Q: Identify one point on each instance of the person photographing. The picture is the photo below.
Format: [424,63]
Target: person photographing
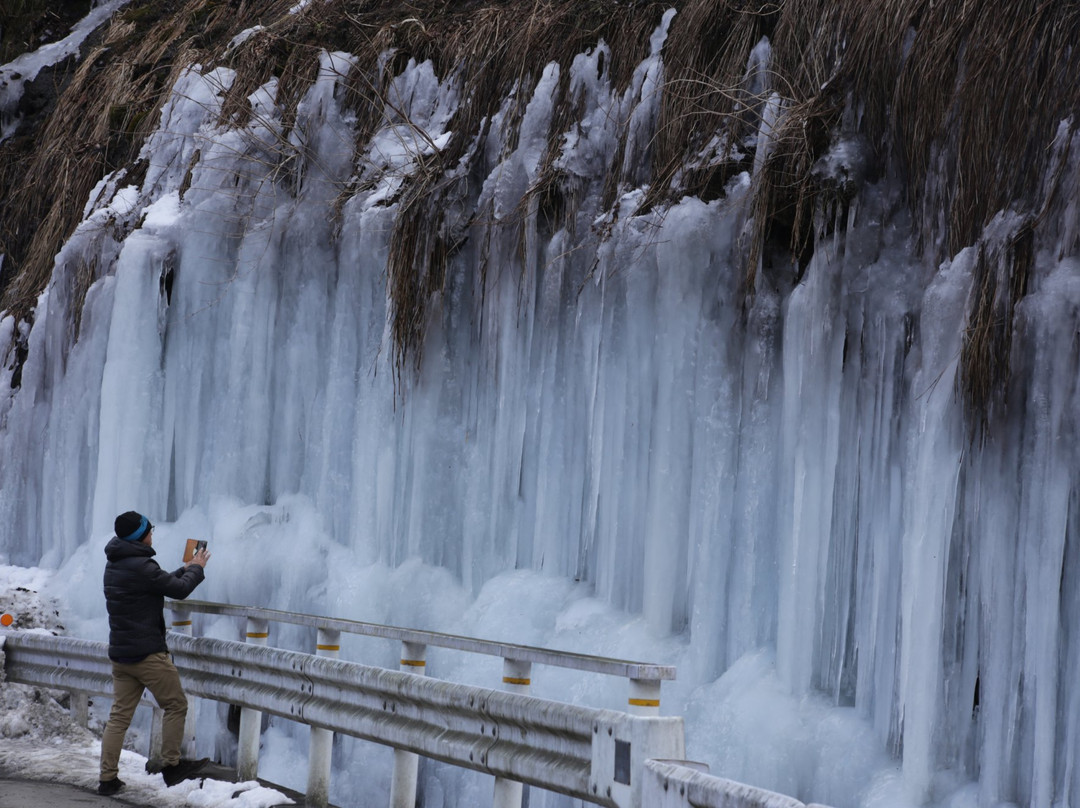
[135,592]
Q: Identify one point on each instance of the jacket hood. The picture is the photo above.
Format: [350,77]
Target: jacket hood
[117,549]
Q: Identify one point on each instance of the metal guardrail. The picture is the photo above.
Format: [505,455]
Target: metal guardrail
[669,784]
[643,699]
[603,757]
[525,653]
[591,754]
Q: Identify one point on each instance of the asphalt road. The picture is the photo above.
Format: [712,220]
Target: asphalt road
[20,793]
[32,794]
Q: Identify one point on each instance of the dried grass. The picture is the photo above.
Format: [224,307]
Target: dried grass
[1001,275]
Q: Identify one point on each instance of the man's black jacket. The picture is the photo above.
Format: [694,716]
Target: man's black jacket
[135,592]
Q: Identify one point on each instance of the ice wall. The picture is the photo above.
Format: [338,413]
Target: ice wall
[783,485]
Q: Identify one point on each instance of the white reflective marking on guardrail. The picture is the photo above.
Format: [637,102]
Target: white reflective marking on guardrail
[591,754]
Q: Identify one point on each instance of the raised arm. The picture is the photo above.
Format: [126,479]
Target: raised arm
[177,585]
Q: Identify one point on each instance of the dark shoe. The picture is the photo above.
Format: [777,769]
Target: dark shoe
[107,788]
[184,769]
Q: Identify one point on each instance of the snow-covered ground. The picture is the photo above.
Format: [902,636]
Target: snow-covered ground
[39,740]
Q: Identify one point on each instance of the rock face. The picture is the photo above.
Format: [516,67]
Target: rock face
[28,24]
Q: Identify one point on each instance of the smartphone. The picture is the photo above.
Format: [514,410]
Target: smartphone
[193,546]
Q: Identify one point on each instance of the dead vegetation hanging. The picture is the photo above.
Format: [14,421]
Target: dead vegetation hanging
[1001,272]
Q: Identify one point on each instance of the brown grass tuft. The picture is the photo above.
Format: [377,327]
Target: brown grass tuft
[1001,276]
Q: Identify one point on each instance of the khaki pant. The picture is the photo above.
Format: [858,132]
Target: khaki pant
[157,674]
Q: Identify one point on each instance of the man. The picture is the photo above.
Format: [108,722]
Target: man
[135,592]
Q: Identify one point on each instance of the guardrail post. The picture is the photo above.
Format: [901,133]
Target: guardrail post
[247,758]
[156,721]
[80,708]
[321,745]
[181,623]
[644,697]
[407,764]
[517,678]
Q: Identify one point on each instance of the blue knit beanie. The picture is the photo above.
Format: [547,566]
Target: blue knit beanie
[132,526]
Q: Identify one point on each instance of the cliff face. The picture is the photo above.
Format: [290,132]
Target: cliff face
[27,24]
[958,103]
[756,322]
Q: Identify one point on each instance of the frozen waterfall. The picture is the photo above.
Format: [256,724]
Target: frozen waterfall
[607,443]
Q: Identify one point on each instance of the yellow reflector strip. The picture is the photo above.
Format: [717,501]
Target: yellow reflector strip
[644,702]
[510,680]
[328,647]
[414,663]
[258,635]
[181,622]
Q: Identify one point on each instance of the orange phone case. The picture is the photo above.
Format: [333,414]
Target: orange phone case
[189,550]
